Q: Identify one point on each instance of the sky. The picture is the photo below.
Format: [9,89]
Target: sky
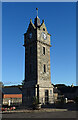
[60,20]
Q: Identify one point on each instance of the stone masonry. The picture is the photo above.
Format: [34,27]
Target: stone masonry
[37,64]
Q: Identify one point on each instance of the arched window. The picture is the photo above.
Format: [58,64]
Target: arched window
[44,68]
[43,50]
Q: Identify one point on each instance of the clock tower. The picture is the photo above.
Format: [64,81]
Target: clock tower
[37,81]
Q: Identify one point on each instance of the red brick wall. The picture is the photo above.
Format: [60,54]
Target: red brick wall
[12,96]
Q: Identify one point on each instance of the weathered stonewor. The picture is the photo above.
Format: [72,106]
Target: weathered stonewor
[37,64]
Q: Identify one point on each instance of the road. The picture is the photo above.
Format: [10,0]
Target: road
[57,114]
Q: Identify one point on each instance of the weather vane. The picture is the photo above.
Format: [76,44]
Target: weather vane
[37,11]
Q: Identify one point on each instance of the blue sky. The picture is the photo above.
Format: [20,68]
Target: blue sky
[60,20]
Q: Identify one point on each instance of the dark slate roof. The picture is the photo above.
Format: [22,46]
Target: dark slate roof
[11,90]
[55,90]
[68,89]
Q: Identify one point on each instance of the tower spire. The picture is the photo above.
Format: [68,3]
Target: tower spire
[37,20]
[37,11]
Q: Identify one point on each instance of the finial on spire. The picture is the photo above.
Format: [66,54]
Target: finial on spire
[37,11]
[30,20]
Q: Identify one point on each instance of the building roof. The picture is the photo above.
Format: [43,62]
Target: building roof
[55,90]
[68,89]
[11,90]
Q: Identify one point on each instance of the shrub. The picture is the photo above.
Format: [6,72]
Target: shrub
[36,104]
[35,100]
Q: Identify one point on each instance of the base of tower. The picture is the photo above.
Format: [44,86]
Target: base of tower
[41,95]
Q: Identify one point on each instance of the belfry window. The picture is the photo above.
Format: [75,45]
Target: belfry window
[43,29]
[43,50]
[44,68]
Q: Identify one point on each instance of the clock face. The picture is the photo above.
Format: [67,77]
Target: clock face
[30,35]
[44,36]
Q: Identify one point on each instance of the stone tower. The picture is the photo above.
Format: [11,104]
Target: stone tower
[37,64]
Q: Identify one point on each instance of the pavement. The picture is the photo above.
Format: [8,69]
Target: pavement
[30,111]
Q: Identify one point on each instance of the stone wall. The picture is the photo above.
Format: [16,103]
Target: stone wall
[44,78]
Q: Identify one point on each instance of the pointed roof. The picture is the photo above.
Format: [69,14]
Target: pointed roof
[37,22]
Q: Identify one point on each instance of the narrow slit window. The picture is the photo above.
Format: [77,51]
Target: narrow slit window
[43,50]
[44,67]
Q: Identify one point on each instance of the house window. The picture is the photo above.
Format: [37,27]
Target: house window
[44,68]
[43,50]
